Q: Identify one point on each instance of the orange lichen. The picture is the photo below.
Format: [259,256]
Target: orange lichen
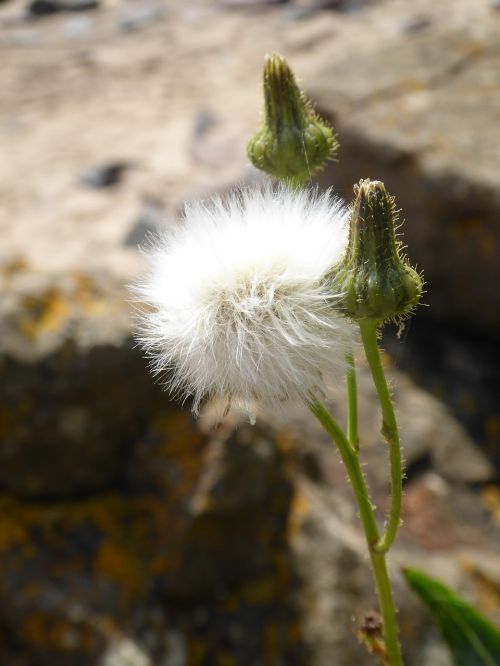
[44,315]
[15,524]
[11,534]
[130,542]
[298,512]
[14,265]
[88,296]
[491,500]
[117,562]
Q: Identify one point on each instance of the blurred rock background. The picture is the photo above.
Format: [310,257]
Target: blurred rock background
[131,534]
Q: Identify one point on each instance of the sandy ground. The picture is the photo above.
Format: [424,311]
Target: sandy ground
[176,98]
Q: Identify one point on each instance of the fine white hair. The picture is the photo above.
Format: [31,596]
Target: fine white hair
[240,300]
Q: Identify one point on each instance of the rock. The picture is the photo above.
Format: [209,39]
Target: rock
[204,122]
[39,8]
[43,7]
[139,17]
[452,451]
[104,175]
[416,24]
[87,573]
[149,222]
[243,487]
[462,371]
[244,4]
[68,392]
[408,115]
[338,5]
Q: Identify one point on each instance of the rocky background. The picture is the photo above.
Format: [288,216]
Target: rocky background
[132,535]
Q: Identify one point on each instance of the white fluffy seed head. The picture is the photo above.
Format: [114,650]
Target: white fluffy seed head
[239,301]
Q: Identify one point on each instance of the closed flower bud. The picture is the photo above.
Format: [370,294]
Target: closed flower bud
[293,142]
[374,276]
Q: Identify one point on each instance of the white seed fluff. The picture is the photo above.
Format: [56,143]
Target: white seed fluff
[239,301]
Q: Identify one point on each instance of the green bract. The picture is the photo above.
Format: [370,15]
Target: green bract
[374,278]
[293,142]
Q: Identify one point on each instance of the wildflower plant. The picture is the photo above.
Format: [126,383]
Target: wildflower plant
[253,298]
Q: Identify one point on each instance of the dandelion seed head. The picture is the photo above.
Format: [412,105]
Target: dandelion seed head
[239,301]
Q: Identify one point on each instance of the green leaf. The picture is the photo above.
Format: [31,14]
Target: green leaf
[472,639]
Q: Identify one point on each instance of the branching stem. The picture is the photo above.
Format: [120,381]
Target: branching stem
[351,461]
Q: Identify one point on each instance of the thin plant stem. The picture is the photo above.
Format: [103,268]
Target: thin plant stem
[352,403]
[351,461]
[390,432]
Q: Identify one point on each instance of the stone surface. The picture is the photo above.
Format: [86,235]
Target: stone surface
[69,383]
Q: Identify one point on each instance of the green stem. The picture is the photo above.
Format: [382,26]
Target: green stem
[351,461]
[352,404]
[368,330]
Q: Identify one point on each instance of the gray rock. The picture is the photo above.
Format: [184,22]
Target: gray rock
[40,8]
[140,16]
[337,5]
[149,222]
[249,4]
[429,428]
[416,24]
[104,175]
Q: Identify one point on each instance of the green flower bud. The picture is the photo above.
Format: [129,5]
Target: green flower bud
[374,278]
[293,142]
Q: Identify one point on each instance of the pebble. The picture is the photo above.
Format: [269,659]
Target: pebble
[235,4]
[104,175]
[416,24]
[309,7]
[39,8]
[136,18]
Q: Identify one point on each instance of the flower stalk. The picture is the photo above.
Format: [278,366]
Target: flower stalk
[352,403]
[389,431]
[350,458]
